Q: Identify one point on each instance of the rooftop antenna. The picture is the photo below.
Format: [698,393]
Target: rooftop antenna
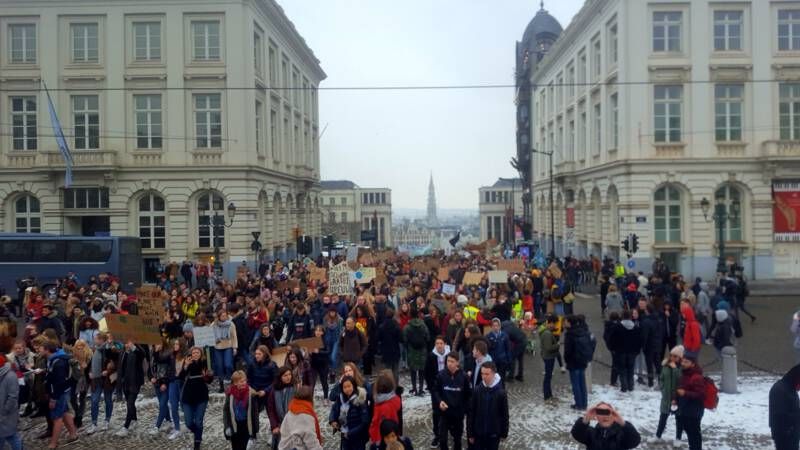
[542,4]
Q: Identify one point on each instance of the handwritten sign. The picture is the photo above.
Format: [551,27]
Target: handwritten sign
[473,278]
[318,274]
[339,280]
[498,276]
[444,273]
[365,275]
[449,289]
[125,328]
[511,265]
[278,355]
[204,336]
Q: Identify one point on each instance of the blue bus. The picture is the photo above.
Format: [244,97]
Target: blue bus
[48,257]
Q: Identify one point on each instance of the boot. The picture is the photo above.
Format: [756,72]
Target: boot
[28,410]
[221,389]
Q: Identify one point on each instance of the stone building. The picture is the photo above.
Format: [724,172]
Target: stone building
[348,209]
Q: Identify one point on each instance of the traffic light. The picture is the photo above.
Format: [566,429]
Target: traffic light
[634,243]
[625,245]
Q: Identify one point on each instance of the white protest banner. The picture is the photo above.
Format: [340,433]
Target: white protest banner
[352,253]
[365,275]
[498,276]
[449,289]
[203,337]
[339,280]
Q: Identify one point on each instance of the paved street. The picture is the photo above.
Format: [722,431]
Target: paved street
[766,345]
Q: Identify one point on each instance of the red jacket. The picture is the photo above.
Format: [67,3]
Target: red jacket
[691,335]
[388,409]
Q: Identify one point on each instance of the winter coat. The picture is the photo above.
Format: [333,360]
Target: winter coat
[244,336]
[416,356]
[278,405]
[518,339]
[332,333]
[668,380]
[162,368]
[691,404]
[299,327]
[549,344]
[499,347]
[229,416]
[453,389]
[352,345]
[723,332]
[614,303]
[432,365]
[317,313]
[9,395]
[356,422]
[298,433]
[488,412]
[387,406]
[576,339]
[131,369]
[692,340]
[260,376]
[57,377]
[195,384]
[615,437]
[389,339]
[784,406]
[502,311]
[626,338]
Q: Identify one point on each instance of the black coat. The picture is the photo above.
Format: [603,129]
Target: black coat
[626,341]
[653,327]
[488,412]
[131,369]
[518,339]
[784,406]
[575,341]
[357,419]
[615,437]
[389,338]
[453,389]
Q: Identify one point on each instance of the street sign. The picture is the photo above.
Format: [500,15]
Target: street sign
[631,264]
[256,234]
[641,219]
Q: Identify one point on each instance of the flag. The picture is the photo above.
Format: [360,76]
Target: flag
[455,239]
[62,142]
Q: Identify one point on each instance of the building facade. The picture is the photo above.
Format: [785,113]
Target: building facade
[499,206]
[172,111]
[348,209]
[413,235]
[655,110]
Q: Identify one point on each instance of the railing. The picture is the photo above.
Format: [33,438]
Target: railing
[147,159]
[21,159]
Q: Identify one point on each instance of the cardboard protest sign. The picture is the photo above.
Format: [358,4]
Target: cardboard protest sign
[402,280]
[473,278]
[449,289]
[498,276]
[278,355]
[151,311]
[402,293]
[204,336]
[419,266]
[339,280]
[380,277]
[309,344]
[318,274]
[512,265]
[444,273]
[365,275]
[441,305]
[126,327]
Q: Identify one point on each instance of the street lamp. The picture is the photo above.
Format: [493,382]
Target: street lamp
[722,214]
[218,224]
[552,218]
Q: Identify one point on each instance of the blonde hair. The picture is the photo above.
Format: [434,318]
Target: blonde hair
[238,376]
[82,352]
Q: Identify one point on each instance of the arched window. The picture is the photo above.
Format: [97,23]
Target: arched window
[733,226]
[209,204]
[27,215]
[152,221]
[667,201]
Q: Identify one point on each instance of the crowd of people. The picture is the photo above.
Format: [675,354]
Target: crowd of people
[460,349]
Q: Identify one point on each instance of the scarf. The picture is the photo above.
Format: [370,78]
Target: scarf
[222,330]
[304,407]
[343,411]
[239,397]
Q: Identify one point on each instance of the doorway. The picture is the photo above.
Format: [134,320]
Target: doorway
[95,226]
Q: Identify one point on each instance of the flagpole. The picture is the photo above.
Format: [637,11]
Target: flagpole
[63,147]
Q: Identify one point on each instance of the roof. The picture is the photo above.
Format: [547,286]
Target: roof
[337,185]
[541,23]
[507,183]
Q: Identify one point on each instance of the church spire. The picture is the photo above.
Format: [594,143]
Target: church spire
[432,219]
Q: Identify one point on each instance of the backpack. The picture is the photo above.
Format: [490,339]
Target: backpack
[416,339]
[584,351]
[711,397]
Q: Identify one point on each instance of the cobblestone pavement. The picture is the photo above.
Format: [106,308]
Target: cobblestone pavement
[534,424]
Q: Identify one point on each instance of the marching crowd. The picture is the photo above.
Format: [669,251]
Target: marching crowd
[461,350]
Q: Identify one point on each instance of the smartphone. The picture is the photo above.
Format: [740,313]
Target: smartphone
[602,412]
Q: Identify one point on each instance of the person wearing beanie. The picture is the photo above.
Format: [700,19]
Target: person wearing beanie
[668,380]
[723,332]
[462,300]
[391,437]
[689,395]
[784,410]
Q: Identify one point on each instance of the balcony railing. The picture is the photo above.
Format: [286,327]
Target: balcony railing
[669,150]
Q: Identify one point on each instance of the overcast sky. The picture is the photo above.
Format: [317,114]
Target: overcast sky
[395,139]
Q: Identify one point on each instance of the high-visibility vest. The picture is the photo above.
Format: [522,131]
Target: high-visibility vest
[517,310]
[471,312]
[619,271]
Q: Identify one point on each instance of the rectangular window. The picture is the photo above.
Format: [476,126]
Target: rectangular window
[23,43]
[598,127]
[728,112]
[148,121]
[597,60]
[286,142]
[86,121]
[571,80]
[582,67]
[23,123]
[273,133]
[259,127]
[298,154]
[344,217]
[790,111]
[728,26]
[560,93]
[206,40]
[667,31]
[258,54]
[295,89]
[789,29]
[613,45]
[84,43]
[582,133]
[667,113]
[208,120]
[614,125]
[273,66]
[81,198]
[571,141]
[147,41]
[285,77]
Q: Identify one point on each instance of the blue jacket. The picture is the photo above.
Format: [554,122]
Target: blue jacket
[317,313]
[261,376]
[57,378]
[499,347]
[357,420]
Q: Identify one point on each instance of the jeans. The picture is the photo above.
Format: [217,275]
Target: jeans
[578,381]
[626,361]
[174,393]
[130,406]
[662,424]
[223,363]
[547,390]
[194,415]
[452,426]
[14,442]
[163,405]
[108,397]
[517,365]
[691,426]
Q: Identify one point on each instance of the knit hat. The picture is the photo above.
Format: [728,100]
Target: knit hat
[721,315]
[462,299]
[677,351]
[691,357]
[188,326]
[496,320]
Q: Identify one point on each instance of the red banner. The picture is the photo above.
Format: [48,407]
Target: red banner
[786,211]
[570,218]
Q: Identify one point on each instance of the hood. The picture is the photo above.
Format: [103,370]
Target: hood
[358,398]
[628,324]
[446,351]
[495,381]
[793,375]
[688,313]
[721,315]
[723,305]
[704,286]
[382,398]
[58,354]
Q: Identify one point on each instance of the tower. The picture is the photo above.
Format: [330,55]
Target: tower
[432,220]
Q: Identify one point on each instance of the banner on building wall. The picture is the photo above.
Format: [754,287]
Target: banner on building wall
[786,211]
[570,217]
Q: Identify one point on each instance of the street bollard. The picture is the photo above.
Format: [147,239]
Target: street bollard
[729,370]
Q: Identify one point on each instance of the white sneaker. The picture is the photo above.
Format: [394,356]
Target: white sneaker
[122,432]
[105,426]
[563,369]
[677,444]
[251,444]
[92,429]
[654,440]
[132,426]
[174,435]
[153,431]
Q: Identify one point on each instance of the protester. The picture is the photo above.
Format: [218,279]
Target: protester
[58,390]
[487,420]
[578,353]
[450,396]
[549,347]
[300,427]
[283,390]
[353,343]
[131,378]
[690,395]
[435,363]
[390,338]
[784,411]
[499,348]
[102,377]
[611,431]
[392,438]
[320,363]
[194,396]
[350,416]
[388,405]
[416,335]
[162,372]
[240,412]
[225,347]
[9,413]
[668,380]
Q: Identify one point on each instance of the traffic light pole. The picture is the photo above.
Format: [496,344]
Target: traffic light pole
[552,206]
